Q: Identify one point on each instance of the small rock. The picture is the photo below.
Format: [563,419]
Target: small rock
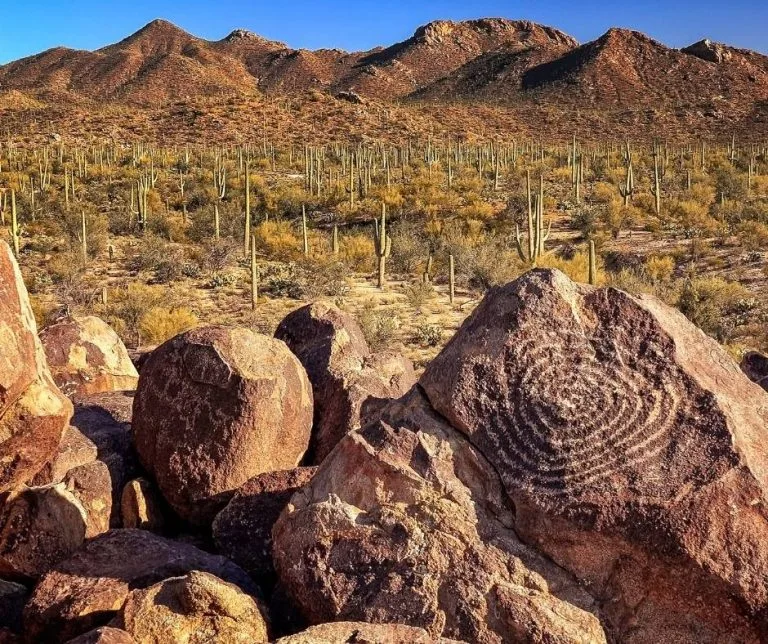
[104,635]
[141,506]
[91,484]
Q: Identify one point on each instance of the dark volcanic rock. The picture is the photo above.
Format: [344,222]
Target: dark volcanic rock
[215,407]
[243,530]
[33,412]
[349,382]
[86,590]
[631,445]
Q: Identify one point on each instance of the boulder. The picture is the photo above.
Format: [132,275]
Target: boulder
[88,589]
[195,609]
[103,635]
[348,632]
[141,506]
[755,365]
[33,412]
[75,449]
[13,596]
[91,484]
[349,383]
[86,356]
[39,527]
[105,420]
[243,530]
[406,522]
[215,407]
[632,448]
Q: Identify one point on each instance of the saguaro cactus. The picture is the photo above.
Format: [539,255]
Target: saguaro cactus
[15,230]
[536,234]
[382,243]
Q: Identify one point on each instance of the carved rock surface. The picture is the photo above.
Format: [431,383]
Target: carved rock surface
[86,356]
[214,407]
[348,381]
[86,590]
[406,522]
[33,412]
[632,447]
[197,608]
[243,530]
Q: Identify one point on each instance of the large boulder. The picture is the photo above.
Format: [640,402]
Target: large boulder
[195,609]
[214,407]
[351,632]
[349,382]
[632,448]
[86,356]
[88,589]
[406,522]
[39,527]
[243,530]
[33,412]
[755,365]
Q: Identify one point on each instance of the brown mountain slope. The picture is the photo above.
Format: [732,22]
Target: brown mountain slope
[627,68]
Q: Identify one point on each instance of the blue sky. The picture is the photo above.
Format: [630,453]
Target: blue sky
[30,26]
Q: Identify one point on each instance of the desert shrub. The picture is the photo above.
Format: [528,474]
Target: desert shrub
[659,268]
[378,325]
[277,240]
[65,268]
[159,324]
[753,235]
[223,279]
[418,293]
[151,252]
[410,248]
[577,267]
[324,277]
[715,305]
[428,335]
[356,251]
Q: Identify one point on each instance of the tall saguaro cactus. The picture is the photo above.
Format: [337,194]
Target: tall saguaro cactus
[536,234]
[383,244]
[15,231]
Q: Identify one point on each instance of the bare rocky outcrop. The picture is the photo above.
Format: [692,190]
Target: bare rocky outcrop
[197,608]
[86,590]
[33,412]
[755,366]
[243,530]
[86,356]
[349,382]
[406,522]
[103,635]
[631,446]
[38,528]
[215,407]
[349,632]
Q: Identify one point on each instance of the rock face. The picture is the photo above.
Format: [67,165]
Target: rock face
[215,407]
[86,590]
[195,609]
[75,449]
[12,599]
[406,522]
[632,448]
[91,484]
[33,412]
[104,635]
[38,528]
[105,421]
[349,632]
[86,356]
[755,365]
[348,381]
[243,530]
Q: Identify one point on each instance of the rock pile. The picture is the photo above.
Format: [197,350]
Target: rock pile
[576,466]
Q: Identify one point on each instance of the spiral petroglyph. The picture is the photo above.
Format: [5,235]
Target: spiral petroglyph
[583,401]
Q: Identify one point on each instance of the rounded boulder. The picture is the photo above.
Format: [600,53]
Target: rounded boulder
[215,407]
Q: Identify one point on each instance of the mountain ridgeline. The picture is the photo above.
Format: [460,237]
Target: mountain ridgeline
[486,60]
